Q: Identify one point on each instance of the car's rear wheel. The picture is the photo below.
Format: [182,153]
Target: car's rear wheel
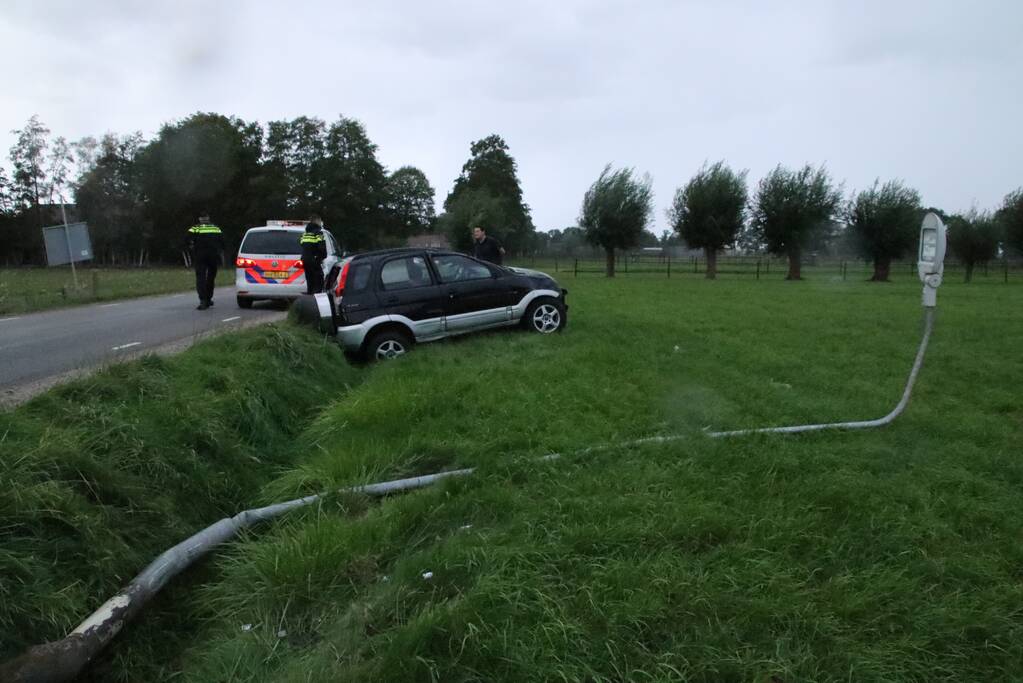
[545,316]
[244,302]
[387,345]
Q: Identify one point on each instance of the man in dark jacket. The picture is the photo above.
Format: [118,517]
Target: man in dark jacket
[206,242]
[486,248]
[314,251]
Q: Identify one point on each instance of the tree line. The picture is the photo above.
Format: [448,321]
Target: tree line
[791,211]
[140,196]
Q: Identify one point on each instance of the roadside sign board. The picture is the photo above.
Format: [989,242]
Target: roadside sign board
[67,244]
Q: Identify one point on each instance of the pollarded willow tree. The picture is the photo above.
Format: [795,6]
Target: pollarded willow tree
[885,222]
[792,210]
[973,238]
[708,212]
[615,211]
[1010,219]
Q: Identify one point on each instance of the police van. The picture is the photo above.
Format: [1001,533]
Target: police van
[269,263]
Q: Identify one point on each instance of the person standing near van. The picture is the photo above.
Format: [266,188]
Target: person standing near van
[206,243]
[314,251]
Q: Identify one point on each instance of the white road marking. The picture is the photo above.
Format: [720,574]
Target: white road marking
[110,305]
[227,320]
[126,346]
[3,320]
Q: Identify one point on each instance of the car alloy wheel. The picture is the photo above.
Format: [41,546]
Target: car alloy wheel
[391,348]
[546,318]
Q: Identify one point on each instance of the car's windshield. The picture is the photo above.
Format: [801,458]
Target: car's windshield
[276,242]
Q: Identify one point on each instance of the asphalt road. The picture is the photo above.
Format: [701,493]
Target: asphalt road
[38,350]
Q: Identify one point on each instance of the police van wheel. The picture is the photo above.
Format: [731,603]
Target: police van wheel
[388,345]
[244,302]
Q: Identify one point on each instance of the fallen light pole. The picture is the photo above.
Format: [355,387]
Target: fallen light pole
[64,659]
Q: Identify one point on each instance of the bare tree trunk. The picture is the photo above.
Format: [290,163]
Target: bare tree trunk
[609,255]
[969,271]
[795,263]
[712,262]
[882,269]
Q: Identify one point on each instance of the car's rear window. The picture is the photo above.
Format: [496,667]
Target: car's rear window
[278,242]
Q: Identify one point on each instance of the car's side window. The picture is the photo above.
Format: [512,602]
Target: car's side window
[455,268]
[358,277]
[405,273]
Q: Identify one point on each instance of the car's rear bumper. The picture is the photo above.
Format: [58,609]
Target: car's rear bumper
[255,290]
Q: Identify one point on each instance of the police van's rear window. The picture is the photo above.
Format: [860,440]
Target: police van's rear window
[278,242]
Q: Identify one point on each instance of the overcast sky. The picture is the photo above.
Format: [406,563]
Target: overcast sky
[929,92]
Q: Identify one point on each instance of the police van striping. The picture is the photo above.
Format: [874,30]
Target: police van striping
[269,263]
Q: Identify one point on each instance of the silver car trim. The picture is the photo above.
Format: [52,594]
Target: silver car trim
[352,337]
[519,309]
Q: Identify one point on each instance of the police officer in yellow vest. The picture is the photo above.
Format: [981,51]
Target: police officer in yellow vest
[206,243]
[314,251]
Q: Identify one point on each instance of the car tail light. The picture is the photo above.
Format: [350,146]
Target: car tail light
[243,262]
[340,289]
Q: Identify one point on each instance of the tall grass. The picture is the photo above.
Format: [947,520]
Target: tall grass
[102,474]
[868,556]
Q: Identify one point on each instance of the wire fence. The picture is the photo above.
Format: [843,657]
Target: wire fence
[756,267]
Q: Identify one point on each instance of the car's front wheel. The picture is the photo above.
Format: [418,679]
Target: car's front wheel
[244,302]
[387,345]
[545,316]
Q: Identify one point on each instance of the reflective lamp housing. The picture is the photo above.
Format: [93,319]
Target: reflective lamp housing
[930,262]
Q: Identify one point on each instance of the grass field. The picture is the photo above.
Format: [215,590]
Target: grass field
[886,555]
[23,290]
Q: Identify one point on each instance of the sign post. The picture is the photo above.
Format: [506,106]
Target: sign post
[67,238]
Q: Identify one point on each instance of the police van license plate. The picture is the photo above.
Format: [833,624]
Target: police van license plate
[276,274]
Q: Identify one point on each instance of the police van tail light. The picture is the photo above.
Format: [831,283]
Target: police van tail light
[298,264]
[340,289]
[244,262]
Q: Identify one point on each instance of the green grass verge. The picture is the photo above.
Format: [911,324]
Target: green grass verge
[885,555]
[23,290]
[103,474]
